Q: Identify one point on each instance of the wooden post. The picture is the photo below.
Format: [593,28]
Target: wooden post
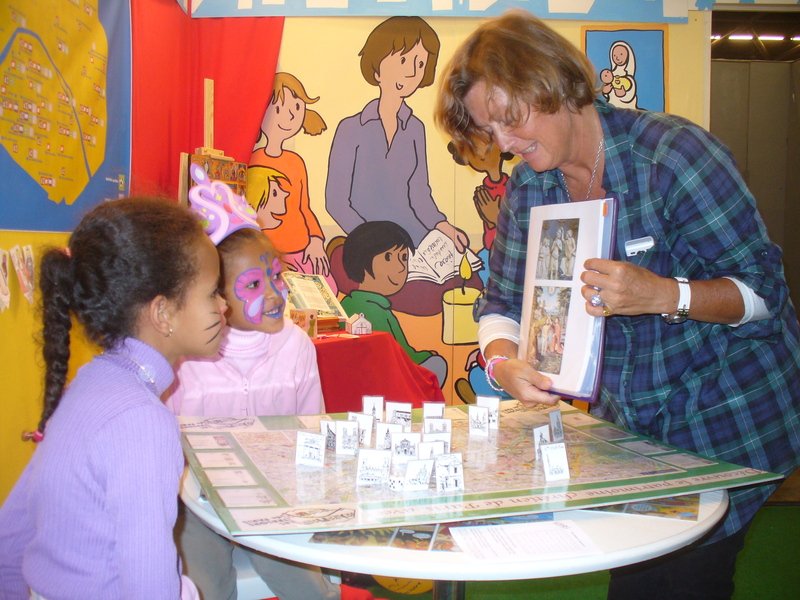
[208,123]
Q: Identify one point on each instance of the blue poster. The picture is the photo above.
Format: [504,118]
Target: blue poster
[65,106]
[630,65]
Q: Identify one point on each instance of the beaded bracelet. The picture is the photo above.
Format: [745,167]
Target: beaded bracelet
[493,383]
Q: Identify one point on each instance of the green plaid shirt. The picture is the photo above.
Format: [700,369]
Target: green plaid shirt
[726,392]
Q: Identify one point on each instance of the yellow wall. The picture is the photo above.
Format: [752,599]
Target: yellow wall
[324,54]
[21,364]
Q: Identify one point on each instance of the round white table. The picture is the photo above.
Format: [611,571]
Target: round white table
[623,539]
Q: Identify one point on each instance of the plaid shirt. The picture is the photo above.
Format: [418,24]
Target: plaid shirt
[727,392]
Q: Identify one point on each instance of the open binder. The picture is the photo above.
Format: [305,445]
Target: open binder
[558,337]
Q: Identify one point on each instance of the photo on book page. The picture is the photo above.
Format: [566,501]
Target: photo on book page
[558,337]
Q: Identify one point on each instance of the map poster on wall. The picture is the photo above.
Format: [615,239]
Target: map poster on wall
[247,469]
[65,106]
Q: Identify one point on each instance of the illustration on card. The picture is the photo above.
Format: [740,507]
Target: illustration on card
[378,166]
[548,328]
[375,256]
[277,180]
[556,257]
[630,64]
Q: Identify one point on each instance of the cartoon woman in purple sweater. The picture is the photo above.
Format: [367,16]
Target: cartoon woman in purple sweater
[378,166]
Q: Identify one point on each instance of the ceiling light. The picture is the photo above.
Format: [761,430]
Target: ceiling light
[741,37]
[796,38]
[716,36]
[771,38]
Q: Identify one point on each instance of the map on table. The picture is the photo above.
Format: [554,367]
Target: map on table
[246,468]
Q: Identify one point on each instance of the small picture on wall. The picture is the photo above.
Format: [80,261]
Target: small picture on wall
[631,65]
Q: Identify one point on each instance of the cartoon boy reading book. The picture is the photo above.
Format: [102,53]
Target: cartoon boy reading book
[375,255]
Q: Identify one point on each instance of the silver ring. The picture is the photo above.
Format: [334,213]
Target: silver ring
[596,300]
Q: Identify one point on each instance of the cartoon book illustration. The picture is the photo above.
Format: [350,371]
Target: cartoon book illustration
[436,259]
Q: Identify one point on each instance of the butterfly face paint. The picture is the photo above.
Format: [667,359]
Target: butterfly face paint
[249,288]
[262,291]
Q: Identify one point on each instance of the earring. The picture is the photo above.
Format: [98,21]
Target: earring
[169,333]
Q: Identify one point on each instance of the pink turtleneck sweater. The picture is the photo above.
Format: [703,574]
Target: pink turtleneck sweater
[255,374]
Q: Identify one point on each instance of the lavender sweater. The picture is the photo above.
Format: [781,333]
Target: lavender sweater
[93,512]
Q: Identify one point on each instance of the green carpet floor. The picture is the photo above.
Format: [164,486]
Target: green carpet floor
[767,569]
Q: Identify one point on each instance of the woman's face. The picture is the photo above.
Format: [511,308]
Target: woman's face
[400,74]
[198,322]
[284,118]
[541,140]
[254,288]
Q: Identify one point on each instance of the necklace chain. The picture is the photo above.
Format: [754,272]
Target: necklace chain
[594,172]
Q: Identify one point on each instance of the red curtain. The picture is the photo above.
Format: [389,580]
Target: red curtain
[172,54]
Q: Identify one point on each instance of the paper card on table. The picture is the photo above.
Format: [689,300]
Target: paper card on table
[347,437]
[554,461]
[208,424]
[210,460]
[373,405]
[609,434]
[577,418]
[328,429]
[541,435]
[524,541]
[405,446]
[373,467]
[556,426]
[437,425]
[449,471]
[432,410]
[241,497]
[685,461]
[478,420]
[399,412]
[383,435]
[229,477]
[206,441]
[364,427]
[646,447]
[430,449]
[493,404]
[442,437]
[418,475]
[310,449]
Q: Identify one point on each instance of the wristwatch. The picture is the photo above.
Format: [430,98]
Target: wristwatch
[684,300]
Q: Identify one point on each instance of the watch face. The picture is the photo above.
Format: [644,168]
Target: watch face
[676,317]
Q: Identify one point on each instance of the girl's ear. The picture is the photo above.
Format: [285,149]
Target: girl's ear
[158,313]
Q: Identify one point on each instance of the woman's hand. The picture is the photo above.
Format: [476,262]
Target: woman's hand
[524,383]
[626,289]
[460,239]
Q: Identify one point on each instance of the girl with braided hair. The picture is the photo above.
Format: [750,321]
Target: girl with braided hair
[92,515]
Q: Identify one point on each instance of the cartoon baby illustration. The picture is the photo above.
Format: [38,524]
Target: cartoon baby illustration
[619,83]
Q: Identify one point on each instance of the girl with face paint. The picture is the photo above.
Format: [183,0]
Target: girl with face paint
[266,365]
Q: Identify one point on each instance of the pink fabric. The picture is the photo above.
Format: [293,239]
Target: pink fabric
[280,377]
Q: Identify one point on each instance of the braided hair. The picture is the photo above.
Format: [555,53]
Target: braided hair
[123,254]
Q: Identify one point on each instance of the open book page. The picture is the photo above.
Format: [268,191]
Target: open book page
[558,337]
[437,260]
[312,291]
